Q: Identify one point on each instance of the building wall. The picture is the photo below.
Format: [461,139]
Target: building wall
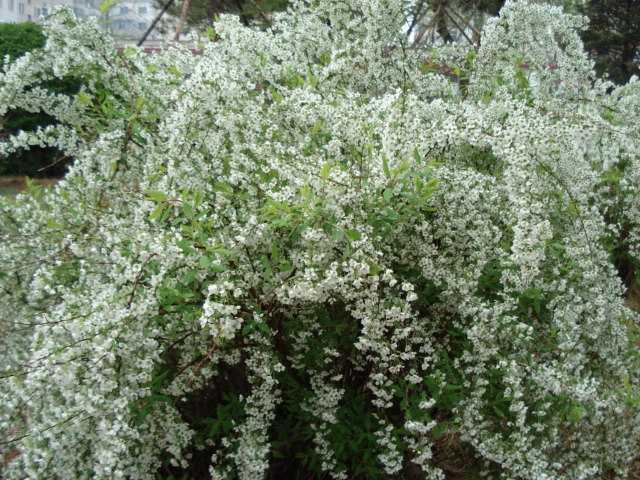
[126,20]
[38,9]
[9,10]
[129,19]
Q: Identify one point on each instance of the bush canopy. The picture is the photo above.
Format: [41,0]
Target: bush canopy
[315,251]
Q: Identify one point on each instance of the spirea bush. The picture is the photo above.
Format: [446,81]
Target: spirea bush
[315,250]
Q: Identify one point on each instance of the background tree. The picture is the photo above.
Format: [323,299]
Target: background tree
[613,37]
[450,20]
[202,12]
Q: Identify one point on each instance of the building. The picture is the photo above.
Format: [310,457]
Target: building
[126,20]
[130,19]
[10,10]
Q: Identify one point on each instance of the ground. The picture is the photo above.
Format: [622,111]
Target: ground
[13,185]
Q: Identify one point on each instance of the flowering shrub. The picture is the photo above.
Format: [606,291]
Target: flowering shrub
[308,250]
[15,40]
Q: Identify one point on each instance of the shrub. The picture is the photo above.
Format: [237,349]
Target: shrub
[16,39]
[308,252]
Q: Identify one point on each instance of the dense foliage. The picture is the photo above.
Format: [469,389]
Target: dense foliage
[310,250]
[16,39]
[613,37]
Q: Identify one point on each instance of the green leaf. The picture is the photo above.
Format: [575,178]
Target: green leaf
[156,196]
[51,223]
[186,247]
[172,69]
[390,214]
[187,210]
[374,268]
[204,262]
[275,253]
[576,413]
[224,252]
[573,209]
[499,411]
[326,170]
[353,235]
[285,266]
[208,264]
[430,187]
[266,265]
[106,5]
[84,98]
[129,52]
[385,167]
[157,212]
[276,95]
[213,266]
[325,58]
[521,80]
[211,33]
[223,187]
[159,397]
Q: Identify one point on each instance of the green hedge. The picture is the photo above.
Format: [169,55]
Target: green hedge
[15,40]
[18,38]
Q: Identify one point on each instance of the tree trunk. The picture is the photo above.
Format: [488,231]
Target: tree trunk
[183,19]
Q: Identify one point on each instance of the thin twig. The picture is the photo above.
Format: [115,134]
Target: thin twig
[55,162]
[14,440]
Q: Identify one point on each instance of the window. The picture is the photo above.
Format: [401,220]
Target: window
[12,5]
[45,11]
[142,26]
[124,9]
[0,4]
[142,9]
[21,8]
